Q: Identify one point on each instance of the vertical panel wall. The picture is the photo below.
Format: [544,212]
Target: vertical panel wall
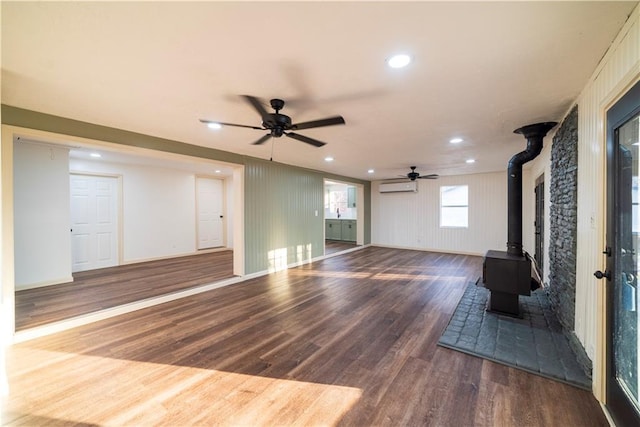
[618,70]
[412,220]
[283,215]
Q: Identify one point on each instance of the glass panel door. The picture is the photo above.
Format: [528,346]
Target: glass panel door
[623,232]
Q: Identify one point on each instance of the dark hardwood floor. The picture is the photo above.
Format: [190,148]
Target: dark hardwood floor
[96,290]
[349,340]
[334,246]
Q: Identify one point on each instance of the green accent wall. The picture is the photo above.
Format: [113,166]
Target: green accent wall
[280,223]
[280,200]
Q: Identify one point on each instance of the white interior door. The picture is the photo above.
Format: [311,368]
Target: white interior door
[94,222]
[210,212]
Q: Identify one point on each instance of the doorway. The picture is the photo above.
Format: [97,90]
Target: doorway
[94,222]
[210,208]
[340,216]
[623,231]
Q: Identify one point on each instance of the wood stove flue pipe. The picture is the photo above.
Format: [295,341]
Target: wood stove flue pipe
[534,134]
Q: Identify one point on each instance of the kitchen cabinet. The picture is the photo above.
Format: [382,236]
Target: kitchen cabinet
[333,229]
[351,197]
[341,229]
[349,230]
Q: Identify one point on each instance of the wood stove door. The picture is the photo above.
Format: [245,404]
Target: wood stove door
[623,232]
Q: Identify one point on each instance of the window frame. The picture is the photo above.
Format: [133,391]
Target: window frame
[450,206]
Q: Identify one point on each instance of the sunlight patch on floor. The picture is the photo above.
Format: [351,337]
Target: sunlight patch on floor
[55,386]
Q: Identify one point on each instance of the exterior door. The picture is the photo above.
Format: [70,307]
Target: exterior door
[94,222]
[209,209]
[623,232]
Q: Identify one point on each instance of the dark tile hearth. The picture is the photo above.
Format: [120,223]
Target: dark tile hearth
[534,343]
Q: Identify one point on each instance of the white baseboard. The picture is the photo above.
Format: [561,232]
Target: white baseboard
[43,284]
[442,251]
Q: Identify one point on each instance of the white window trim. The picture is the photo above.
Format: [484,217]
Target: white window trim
[453,206]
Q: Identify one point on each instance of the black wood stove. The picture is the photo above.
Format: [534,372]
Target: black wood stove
[508,274]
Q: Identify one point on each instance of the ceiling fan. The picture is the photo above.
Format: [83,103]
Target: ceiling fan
[278,124]
[413,175]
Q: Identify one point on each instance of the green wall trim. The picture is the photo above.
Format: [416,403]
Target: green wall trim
[47,122]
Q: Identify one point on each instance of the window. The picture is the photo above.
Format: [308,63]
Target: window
[454,206]
[336,201]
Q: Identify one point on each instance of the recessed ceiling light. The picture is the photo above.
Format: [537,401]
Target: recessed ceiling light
[455,140]
[214,125]
[217,170]
[328,159]
[370,171]
[399,61]
[96,155]
[471,160]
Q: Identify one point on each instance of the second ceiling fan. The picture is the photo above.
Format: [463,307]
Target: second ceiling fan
[279,124]
[413,175]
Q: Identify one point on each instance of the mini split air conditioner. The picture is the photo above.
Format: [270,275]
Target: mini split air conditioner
[399,187]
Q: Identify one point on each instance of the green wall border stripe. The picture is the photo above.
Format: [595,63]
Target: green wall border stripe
[46,122]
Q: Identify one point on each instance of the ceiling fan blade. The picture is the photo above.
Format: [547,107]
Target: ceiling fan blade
[229,124]
[258,106]
[330,121]
[263,139]
[306,139]
[431,176]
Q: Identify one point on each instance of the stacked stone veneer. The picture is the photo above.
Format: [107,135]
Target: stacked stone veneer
[563,223]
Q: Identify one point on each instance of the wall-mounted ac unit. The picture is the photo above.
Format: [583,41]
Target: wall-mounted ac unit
[399,187]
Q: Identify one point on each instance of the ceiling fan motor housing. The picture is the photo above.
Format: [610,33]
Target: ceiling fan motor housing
[277,123]
[413,175]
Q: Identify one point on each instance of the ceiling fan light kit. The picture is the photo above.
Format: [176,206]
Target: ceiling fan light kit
[280,124]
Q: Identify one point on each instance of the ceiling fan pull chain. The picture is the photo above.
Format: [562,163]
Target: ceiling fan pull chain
[273,142]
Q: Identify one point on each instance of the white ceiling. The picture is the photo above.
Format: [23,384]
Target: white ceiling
[479,71]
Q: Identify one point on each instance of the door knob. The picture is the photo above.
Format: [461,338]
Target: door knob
[599,274]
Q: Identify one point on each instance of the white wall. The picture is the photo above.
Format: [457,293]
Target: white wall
[41,215]
[158,209]
[412,220]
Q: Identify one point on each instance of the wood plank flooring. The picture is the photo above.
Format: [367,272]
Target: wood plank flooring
[333,246]
[350,340]
[96,290]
